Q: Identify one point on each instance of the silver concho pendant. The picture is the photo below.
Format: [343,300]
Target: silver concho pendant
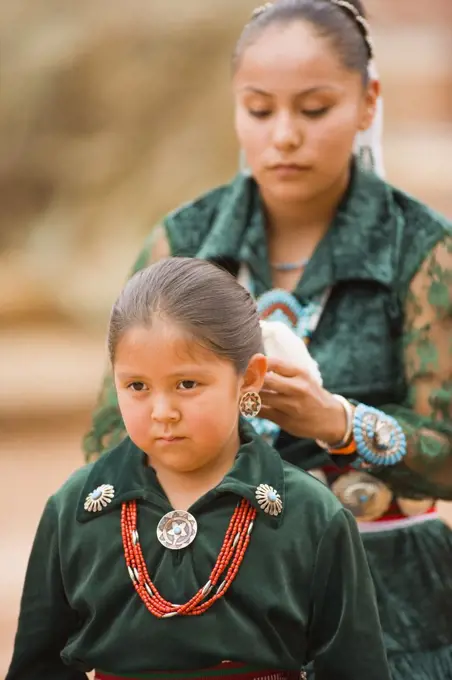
[177,529]
[366,497]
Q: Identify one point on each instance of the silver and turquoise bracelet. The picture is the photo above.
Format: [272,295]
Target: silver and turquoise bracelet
[379,439]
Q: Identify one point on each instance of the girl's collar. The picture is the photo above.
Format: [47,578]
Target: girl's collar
[124,469]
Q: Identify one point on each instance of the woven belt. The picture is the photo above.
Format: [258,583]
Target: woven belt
[238,671]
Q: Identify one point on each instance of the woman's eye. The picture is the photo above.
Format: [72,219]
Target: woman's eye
[259,114]
[316,113]
[137,387]
[187,384]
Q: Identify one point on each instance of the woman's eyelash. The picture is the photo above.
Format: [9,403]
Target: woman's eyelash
[316,113]
[259,114]
[310,113]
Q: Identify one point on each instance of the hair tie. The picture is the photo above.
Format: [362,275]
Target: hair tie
[360,20]
[259,10]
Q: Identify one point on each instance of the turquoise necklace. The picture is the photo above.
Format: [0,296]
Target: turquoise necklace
[289,266]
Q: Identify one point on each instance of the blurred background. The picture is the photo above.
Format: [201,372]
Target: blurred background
[113,112]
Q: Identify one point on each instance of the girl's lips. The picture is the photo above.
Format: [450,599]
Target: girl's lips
[295,167]
[168,439]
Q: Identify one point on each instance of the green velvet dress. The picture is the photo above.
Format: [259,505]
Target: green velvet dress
[303,592]
[384,339]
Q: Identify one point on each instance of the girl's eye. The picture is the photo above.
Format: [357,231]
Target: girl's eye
[316,113]
[260,114]
[137,387]
[187,384]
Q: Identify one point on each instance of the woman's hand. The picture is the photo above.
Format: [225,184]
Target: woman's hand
[292,399]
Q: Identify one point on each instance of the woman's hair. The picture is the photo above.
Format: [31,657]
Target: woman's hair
[343,22]
[204,300]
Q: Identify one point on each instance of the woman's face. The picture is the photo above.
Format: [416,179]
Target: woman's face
[297,111]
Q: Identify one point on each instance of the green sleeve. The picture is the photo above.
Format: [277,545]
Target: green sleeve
[107,427]
[46,620]
[345,639]
[426,418]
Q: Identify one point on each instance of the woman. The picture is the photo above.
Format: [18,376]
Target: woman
[363,272]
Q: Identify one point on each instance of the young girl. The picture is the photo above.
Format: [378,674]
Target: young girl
[192,550]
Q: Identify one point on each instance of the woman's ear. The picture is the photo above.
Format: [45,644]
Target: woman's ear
[369,107]
[254,376]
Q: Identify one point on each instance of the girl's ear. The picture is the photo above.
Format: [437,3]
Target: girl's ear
[254,376]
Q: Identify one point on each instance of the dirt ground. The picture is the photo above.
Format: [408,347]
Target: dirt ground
[34,465]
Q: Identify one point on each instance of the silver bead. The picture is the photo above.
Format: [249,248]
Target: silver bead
[207,588]
[221,586]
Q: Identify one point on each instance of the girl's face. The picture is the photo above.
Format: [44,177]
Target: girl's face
[179,400]
[297,111]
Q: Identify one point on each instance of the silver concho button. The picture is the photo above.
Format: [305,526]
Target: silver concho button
[269,499]
[366,497]
[99,498]
[177,529]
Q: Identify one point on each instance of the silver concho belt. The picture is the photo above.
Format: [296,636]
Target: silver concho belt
[368,498]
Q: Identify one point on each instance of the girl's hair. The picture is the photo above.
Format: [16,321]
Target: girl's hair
[203,299]
[343,22]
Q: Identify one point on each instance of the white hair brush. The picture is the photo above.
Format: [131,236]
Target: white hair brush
[280,342]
